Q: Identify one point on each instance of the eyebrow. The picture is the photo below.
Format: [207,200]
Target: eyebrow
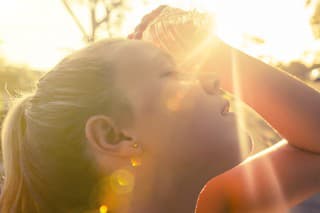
[199,75]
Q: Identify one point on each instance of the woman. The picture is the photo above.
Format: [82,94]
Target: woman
[286,173]
[116,128]
[75,145]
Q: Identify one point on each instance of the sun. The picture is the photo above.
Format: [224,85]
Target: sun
[282,26]
[36,33]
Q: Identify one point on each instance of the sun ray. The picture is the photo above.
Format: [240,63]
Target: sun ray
[241,124]
[269,174]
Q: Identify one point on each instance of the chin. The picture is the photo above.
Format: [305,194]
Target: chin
[241,149]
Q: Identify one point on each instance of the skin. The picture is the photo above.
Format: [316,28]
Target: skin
[292,166]
[283,175]
[181,147]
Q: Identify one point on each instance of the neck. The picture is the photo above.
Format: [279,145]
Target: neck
[162,192]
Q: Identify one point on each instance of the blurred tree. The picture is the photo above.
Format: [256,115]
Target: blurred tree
[14,81]
[314,7]
[105,15]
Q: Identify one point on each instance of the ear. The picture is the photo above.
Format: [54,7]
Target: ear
[103,136]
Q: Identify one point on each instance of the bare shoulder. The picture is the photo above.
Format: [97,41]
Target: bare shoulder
[269,175]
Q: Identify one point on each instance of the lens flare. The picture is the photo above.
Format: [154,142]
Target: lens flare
[103,209]
[269,174]
[241,124]
[136,161]
[122,181]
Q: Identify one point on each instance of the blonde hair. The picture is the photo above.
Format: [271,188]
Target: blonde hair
[14,186]
[47,168]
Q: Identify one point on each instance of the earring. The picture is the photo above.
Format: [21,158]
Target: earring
[135,145]
[136,161]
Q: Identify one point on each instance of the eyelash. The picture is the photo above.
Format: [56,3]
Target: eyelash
[170,73]
[178,76]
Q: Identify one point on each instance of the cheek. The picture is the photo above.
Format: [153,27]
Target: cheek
[186,128]
[205,142]
[214,136]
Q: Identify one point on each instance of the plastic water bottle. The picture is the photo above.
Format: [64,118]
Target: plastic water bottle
[183,34]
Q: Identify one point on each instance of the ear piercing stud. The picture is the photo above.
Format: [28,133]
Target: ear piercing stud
[135,145]
[135,161]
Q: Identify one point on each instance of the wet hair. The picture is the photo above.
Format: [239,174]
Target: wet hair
[46,163]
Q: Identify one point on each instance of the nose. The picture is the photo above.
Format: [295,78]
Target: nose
[211,85]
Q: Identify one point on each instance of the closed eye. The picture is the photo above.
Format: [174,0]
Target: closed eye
[169,74]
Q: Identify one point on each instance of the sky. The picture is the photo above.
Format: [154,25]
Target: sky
[36,32]
[39,33]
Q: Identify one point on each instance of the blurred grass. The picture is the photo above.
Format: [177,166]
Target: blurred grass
[15,80]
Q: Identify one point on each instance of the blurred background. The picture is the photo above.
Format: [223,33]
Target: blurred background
[37,34]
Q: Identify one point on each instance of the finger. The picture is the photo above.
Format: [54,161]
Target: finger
[131,36]
[138,35]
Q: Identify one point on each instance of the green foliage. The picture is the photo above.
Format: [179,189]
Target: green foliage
[17,79]
[14,81]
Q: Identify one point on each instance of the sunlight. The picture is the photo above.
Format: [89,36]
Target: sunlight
[241,120]
[269,175]
[42,42]
[136,161]
[122,181]
[103,209]
[283,25]
[191,71]
[37,36]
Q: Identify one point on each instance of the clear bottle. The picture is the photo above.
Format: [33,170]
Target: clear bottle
[183,34]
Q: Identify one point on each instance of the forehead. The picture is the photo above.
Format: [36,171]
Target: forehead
[139,66]
[138,59]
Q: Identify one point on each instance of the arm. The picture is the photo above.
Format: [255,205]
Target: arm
[293,109]
[289,105]
[286,173]
[271,181]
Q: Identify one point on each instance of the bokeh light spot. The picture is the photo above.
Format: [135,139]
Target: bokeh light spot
[135,161]
[103,209]
[122,181]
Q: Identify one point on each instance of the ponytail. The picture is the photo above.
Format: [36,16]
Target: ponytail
[47,165]
[14,196]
